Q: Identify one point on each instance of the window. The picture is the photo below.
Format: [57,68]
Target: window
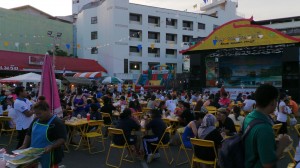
[170,37]
[201,26]
[94,50]
[153,20]
[134,66]
[135,33]
[215,26]
[187,24]
[135,17]
[186,38]
[171,22]
[94,20]
[125,65]
[94,35]
[152,51]
[134,49]
[152,35]
[170,51]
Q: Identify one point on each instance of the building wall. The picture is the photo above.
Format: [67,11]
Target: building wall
[27,32]
[114,41]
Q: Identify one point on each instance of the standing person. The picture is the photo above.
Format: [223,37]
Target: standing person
[261,150]
[11,111]
[79,102]
[294,106]
[142,90]
[24,113]
[282,113]
[48,132]
[158,128]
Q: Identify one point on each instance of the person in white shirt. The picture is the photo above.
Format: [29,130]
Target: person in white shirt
[282,114]
[11,112]
[170,104]
[24,113]
[142,90]
[236,116]
[249,104]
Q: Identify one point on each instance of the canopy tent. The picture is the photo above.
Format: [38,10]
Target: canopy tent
[29,77]
[90,75]
[79,81]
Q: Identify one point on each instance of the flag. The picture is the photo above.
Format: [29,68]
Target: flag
[64,71]
[195,6]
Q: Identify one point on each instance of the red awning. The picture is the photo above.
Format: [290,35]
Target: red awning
[17,61]
[90,75]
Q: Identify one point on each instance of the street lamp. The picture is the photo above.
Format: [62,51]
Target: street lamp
[55,38]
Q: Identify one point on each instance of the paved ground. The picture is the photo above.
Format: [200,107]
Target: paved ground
[82,159]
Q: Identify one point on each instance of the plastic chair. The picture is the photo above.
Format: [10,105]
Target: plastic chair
[211,110]
[297,128]
[94,134]
[207,144]
[5,113]
[4,120]
[182,147]
[113,132]
[167,122]
[107,115]
[276,128]
[163,146]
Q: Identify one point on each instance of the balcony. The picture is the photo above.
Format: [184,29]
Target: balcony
[154,52]
[136,54]
[135,35]
[187,25]
[135,19]
[171,23]
[135,51]
[171,56]
[171,38]
[153,37]
[153,40]
[154,21]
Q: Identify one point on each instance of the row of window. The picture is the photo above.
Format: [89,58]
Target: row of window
[151,35]
[169,21]
[138,65]
[187,25]
[152,50]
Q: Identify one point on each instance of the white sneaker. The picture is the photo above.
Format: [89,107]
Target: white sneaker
[149,158]
[156,156]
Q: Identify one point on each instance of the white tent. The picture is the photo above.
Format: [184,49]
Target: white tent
[29,77]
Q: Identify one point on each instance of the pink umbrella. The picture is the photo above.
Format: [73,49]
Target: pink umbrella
[48,87]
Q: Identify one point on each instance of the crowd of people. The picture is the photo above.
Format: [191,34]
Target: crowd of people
[32,118]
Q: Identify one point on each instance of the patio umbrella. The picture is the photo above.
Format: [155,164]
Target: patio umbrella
[113,80]
[48,87]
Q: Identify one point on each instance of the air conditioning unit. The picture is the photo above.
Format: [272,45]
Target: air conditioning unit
[185,43]
[185,28]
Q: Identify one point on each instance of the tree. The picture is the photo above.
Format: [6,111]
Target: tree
[58,52]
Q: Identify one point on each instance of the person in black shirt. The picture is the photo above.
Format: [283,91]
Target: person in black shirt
[94,115]
[158,128]
[127,124]
[48,132]
[187,116]
[226,124]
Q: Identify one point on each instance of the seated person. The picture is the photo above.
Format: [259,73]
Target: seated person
[190,131]
[158,128]
[236,116]
[94,115]
[151,102]
[226,124]
[186,116]
[88,105]
[208,131]
[127,124]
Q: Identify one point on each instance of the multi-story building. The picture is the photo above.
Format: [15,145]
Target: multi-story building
[288,25]
[24,29]
[128,38]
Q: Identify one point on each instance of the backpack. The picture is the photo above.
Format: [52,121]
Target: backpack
[232,152]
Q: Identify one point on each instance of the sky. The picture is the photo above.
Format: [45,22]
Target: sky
[259,9]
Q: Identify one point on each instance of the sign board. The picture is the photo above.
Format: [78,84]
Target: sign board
[10,68]
[36,60]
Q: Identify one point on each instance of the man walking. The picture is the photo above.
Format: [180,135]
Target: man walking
[261,150]
[24,114]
